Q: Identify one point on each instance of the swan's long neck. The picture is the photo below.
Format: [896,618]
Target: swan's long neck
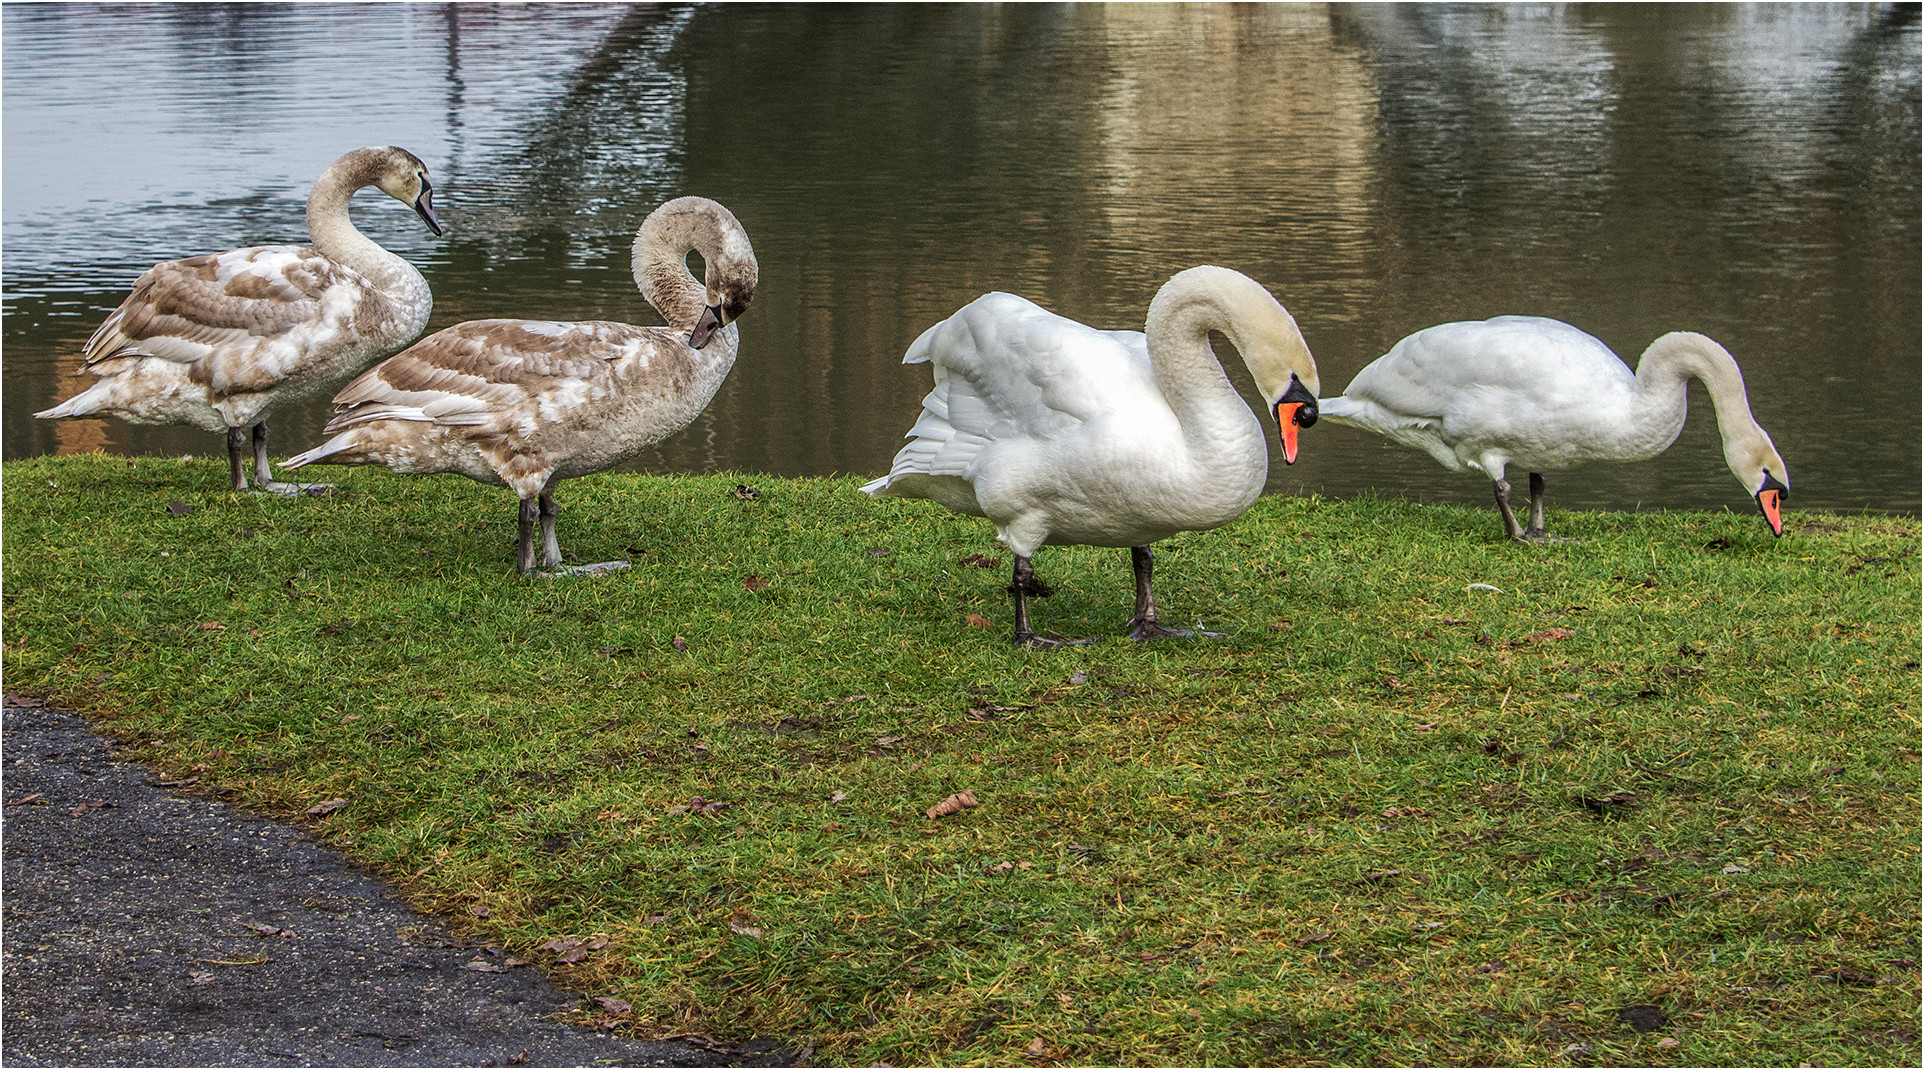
[1185,310]
[1663,393]
[1192,379]
[335,236]
[660,261]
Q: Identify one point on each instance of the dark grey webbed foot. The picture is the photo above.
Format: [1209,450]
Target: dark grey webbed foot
[1143,631]
[1054,642]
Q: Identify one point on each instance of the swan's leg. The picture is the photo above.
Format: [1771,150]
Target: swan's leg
[1534,532]
[264,475]
[1510,527]
[524,544]
[550,548]
[237,456]
[1023,584]
[1143,627]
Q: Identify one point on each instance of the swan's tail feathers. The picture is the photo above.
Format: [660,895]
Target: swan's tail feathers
[339,444]
[876,486]
[84,403]
[1341,409]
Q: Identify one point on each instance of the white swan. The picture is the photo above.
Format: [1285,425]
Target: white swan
[220,341]
[1542,394]
[1063,434]
[525,404]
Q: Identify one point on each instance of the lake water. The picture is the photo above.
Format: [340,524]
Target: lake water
[1751,172]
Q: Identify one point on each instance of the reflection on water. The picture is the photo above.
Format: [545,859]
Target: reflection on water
[1749,172]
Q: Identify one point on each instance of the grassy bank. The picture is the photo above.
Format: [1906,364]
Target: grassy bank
[1664,778]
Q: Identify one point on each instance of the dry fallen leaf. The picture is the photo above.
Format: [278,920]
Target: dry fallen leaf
[1549,636]
[1036,1049]
[617,1006]
[484,966]
[1316,937]
[212,626]
[980,561]
[977,620]
[742,923]
[28,800]
[954,804]
[86,806]
[754,582]
[322,809]
[679,643]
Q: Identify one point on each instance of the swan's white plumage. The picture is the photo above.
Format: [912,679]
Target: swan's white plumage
[221,341]
[527,403]
[1060,433]
[1541,394]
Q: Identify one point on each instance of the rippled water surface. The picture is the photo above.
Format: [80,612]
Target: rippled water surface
[1748,172]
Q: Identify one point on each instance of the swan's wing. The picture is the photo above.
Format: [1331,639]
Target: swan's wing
[494,377]
[1006,369]
[1509,360]
[243,320]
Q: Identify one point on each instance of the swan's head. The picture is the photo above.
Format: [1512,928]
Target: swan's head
[1756,463]
[729,286]
[398,173]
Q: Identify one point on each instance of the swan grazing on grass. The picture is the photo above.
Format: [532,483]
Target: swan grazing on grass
[1543,395]
[1062,434]
[221,341]
[525,404]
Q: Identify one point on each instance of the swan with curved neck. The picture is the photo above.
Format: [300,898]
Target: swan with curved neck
[526,403]
[1539,393]
[221,341]
[1062,434]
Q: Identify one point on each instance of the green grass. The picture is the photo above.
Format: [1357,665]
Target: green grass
[1387,819]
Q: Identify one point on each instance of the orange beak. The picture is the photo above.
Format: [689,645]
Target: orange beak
[1286,421]
[1771,501]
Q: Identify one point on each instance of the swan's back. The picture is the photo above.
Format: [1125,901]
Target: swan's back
[1477,365]
[1008,371]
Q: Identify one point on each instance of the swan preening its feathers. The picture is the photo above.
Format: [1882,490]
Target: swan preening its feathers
[1060,434]
[525,404]
[1543,395]
[220,341]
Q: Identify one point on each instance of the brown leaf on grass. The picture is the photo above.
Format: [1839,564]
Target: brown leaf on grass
[1395,812]
[479,911]
[1036,1049]
[611,650]
[679,643]
[616,1006]
[322,809]
[977,620]
[1382,875]
[954,804]
[29,800]
[596,944]
[754,582]
[840,796]
[1549,635]
[1493,966]
[561,945]
[179,508]
[980,561]
[212,626]
[699,805]
[1002,867]
[888,741]
[1427,727]
[1314,938]
[742,923]
[22,702]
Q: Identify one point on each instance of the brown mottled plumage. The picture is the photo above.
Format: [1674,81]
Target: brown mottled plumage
[219,341]
[527,403]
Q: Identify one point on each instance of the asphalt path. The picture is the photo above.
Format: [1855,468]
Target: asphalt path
[143,926]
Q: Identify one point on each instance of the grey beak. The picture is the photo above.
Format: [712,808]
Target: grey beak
[705,327]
